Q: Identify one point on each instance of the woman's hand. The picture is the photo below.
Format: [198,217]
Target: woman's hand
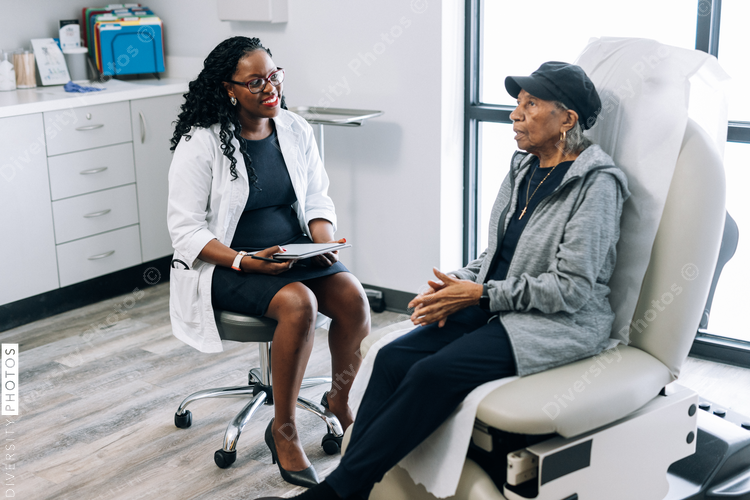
[432,287]
[321,231]
[445,297]
[257,266]
[329,258]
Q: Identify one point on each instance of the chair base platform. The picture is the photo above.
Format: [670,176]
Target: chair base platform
[667,450]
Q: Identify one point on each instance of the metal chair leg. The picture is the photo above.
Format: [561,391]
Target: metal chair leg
[313,381]
[221,392]
[332,440]
[228,454]
[332,423]
[259,387]
[238,423]
[254,376]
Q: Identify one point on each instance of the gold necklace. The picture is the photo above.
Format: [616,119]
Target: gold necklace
[528,198]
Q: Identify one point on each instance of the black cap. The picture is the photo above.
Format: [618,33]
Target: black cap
[559,81]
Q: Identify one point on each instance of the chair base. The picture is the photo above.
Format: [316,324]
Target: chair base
[260,394]
[625,460]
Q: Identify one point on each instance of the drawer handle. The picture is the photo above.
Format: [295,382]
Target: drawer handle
[143,127]
[90,127]
[93,171]
[98,214]
[101,255]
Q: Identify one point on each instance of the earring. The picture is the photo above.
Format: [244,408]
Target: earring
[233,100]
[563,135]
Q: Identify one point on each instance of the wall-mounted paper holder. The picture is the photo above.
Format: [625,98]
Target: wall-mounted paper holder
[267,11]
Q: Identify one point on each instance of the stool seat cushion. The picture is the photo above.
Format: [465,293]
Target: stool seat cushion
[243,328]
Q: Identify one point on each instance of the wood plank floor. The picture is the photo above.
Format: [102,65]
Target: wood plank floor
[100,385]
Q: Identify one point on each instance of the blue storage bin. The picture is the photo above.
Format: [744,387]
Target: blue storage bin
[130,47]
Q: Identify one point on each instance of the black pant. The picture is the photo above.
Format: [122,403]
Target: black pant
[417,381]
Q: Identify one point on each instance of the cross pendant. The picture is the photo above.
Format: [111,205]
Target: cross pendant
[522,213]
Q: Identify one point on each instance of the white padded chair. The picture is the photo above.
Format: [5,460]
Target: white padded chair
[614,435]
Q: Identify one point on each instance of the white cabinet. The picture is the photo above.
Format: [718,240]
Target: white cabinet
[80,143]
[152,129]
[83,192]
[27,244]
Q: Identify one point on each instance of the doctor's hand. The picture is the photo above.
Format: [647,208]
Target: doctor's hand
[327,259]
[445,297]
[250,265]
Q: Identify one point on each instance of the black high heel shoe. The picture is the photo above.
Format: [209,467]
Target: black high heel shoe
[306,477]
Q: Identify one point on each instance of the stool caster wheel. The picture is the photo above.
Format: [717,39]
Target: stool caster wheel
[183,421]
[331,444]
[225,458]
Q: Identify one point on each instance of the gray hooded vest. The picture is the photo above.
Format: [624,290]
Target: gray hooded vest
[553,302]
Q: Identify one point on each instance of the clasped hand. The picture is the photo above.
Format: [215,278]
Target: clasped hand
[444,297]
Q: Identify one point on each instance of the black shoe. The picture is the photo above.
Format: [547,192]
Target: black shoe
[306,477]
[324,400]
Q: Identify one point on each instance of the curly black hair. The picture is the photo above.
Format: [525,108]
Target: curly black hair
[207,102]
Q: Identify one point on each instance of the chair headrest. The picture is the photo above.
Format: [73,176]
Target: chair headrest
[646,90]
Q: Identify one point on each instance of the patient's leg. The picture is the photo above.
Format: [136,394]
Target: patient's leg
[396,358]
[428,393]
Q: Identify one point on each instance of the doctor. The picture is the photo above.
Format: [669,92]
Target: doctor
[247,177]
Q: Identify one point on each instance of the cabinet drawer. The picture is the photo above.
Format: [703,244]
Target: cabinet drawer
[93,170]
[99,255]
[88,127]
[94,213]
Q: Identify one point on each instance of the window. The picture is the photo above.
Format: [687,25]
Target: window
[730,297]
[732,53]
[513,38]
[496,146]
[543,30]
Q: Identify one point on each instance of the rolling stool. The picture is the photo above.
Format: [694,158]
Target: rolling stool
[242,328]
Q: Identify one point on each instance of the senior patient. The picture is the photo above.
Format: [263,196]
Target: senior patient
[535,299]
[246,176]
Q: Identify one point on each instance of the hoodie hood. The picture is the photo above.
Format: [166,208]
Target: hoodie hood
[592,158]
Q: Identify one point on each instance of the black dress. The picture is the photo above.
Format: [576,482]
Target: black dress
[268,220]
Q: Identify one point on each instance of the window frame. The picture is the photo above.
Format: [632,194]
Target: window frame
[706,345]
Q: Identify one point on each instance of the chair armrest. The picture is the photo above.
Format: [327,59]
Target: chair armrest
[577,397]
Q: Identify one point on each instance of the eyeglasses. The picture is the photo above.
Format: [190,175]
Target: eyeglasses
[256,85]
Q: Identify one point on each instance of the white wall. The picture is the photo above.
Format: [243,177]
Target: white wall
[20,21]
[396,181]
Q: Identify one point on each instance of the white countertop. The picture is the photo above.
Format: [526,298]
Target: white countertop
[54,98]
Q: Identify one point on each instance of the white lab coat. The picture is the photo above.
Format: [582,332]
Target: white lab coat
[206,204]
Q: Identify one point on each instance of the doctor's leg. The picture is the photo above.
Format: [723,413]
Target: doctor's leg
[341,297]
[295,308]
